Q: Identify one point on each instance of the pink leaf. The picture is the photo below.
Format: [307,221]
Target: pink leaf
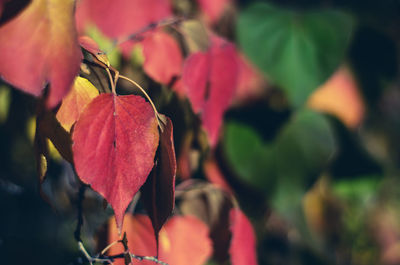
[120,18]
[210,79]
[213,9]
[243,242]
[163,57]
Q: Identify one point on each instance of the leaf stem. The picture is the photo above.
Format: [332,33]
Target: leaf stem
[112,80]
[146,95]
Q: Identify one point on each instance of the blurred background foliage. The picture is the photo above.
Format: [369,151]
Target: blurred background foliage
[313,157]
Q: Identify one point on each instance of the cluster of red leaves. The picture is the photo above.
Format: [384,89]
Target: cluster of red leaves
[115,138]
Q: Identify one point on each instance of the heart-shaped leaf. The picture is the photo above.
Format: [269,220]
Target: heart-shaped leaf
[40,46]
[114,143]
[297,50]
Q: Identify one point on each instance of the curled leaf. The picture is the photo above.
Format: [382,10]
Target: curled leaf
[159,189]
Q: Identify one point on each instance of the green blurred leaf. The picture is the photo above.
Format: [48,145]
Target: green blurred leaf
[297,50]
[303,149]
[249,156]
[285,167]
[5,100]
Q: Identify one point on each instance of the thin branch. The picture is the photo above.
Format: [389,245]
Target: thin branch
[153,259]
[93,260]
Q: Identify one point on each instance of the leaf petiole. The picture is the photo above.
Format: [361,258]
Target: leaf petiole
[147,96]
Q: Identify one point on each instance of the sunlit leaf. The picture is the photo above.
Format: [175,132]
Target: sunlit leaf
[114,143]
[40,46]
[73,104]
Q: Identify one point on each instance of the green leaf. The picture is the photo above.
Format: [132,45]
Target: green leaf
[303,149]
[285,167]
[296,50]
[249,157]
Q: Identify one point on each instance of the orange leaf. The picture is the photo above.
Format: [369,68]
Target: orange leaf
[340,97]
[81,94]
[40,46]
[183,240]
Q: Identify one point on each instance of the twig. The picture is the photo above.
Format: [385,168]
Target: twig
[90,259]
[153,259]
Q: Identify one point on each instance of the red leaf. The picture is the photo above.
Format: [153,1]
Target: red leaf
[243,242]
[163,57]
[115,140]
[159,189]
[40,46]
[213,9]
[120,18]
[210,79]
[183,240]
